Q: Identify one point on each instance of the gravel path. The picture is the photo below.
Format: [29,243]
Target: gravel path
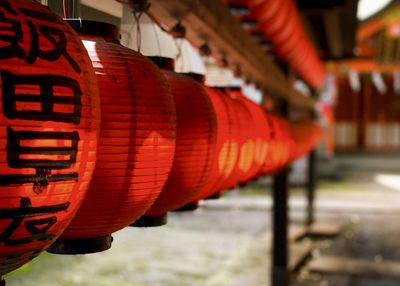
[200,248]
[225,242]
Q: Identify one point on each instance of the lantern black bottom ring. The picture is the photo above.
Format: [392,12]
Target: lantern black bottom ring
[81,246]
[188,207]
[150,221]
[214,196]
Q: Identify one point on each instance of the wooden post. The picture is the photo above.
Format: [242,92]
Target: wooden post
[280,258]
[311,179]
[311,185]
[280,223]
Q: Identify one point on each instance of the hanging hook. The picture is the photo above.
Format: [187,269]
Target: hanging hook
[179,45]
[205,50]
[237,71]
[178,31]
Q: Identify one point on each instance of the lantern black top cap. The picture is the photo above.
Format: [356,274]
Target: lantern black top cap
[163,62]
[94,28]
[232,88]
[196,76]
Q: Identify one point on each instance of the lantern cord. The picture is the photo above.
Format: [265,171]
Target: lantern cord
[137,16]
[65,7]
[179,44]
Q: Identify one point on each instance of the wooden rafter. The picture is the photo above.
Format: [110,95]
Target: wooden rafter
[210,22]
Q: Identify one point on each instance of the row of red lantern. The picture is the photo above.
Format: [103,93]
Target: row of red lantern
[280,23]
[165,139]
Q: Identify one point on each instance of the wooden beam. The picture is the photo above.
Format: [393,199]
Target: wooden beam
[210,22]
[337,31]
[300,252]
[333,32]
[109,7]
[348,18]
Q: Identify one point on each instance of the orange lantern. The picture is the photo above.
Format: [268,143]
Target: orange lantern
[195,144]
[49,122]
[136,144]
[306,135]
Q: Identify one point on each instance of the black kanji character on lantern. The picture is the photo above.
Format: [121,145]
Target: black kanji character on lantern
[45,86]
[16,149]
[57,38]
[11,35]
[17,157]
[54,35]
[6,6]
[38,228]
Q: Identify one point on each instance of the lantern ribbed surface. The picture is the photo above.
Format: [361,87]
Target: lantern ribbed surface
[257,128]
[262,134]
[242,137]
[281,144]
[136,145]
[221,165]
[49,123]
[230,153]
[195,143]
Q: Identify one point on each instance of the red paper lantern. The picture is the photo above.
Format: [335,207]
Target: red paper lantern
[228,154]
[49,122]
[262,135]
[306,135]
[195,144]
[266,10]
[252,158]
[280,22]
[224,155]
[281,145]
[136,144]
[231,150]
[244,134]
